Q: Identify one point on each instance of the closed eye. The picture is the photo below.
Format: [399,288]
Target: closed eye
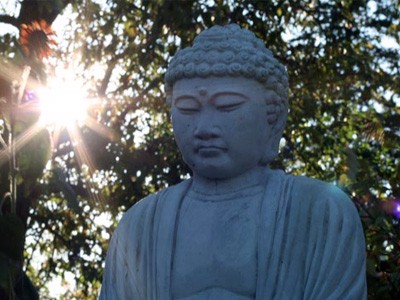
[229,101]
[187,105]
[230,106]
[187,110]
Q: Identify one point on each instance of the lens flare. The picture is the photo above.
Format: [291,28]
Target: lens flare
[396,211]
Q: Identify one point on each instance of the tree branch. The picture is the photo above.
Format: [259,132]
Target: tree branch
[10,20]
[106,80]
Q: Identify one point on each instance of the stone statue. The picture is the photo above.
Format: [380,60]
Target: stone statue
[236,229]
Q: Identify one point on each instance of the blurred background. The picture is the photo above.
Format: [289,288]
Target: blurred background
[85,130]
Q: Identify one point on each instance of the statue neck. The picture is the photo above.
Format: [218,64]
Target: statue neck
[209,186]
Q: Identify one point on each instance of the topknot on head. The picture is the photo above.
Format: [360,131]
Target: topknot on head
[229,51]
[221,34]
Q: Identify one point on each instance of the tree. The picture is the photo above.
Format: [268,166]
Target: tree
[343,125]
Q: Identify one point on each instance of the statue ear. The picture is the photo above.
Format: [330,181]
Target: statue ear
[276,118]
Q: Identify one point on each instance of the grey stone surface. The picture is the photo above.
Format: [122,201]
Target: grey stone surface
[236,229]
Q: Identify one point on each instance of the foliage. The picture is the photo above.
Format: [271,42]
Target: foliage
[343,124]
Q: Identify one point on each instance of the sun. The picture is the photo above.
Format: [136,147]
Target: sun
[63,104]
[69,102]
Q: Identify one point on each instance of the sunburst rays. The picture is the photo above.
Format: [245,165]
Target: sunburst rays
[30,113]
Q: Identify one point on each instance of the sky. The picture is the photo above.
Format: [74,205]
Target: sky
[12,8]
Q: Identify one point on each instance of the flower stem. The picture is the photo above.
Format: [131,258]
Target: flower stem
[18,93]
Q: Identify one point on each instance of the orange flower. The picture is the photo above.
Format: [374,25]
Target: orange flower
[36,38]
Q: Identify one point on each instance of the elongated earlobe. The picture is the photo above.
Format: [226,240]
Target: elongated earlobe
[276,117]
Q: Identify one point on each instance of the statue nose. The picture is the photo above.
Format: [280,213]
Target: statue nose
[207,129]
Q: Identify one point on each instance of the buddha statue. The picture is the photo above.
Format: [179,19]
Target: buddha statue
[237,229]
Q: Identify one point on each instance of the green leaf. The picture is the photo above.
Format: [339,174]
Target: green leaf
[5,272]
[8,273]
[33,157]
[25,289]
[12,235]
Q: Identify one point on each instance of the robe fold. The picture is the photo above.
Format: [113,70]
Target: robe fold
[310,244]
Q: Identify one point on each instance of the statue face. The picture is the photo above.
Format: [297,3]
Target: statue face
[220,124]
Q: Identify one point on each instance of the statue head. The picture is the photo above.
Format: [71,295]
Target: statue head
[233,63]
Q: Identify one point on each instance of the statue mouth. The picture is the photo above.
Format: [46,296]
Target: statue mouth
[210,150]
[209,146]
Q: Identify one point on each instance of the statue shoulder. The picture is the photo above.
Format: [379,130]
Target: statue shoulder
[144,208]
[318,193]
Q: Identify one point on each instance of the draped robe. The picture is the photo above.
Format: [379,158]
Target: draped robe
[310,244]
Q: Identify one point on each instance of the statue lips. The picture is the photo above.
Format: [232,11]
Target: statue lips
[209,150]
